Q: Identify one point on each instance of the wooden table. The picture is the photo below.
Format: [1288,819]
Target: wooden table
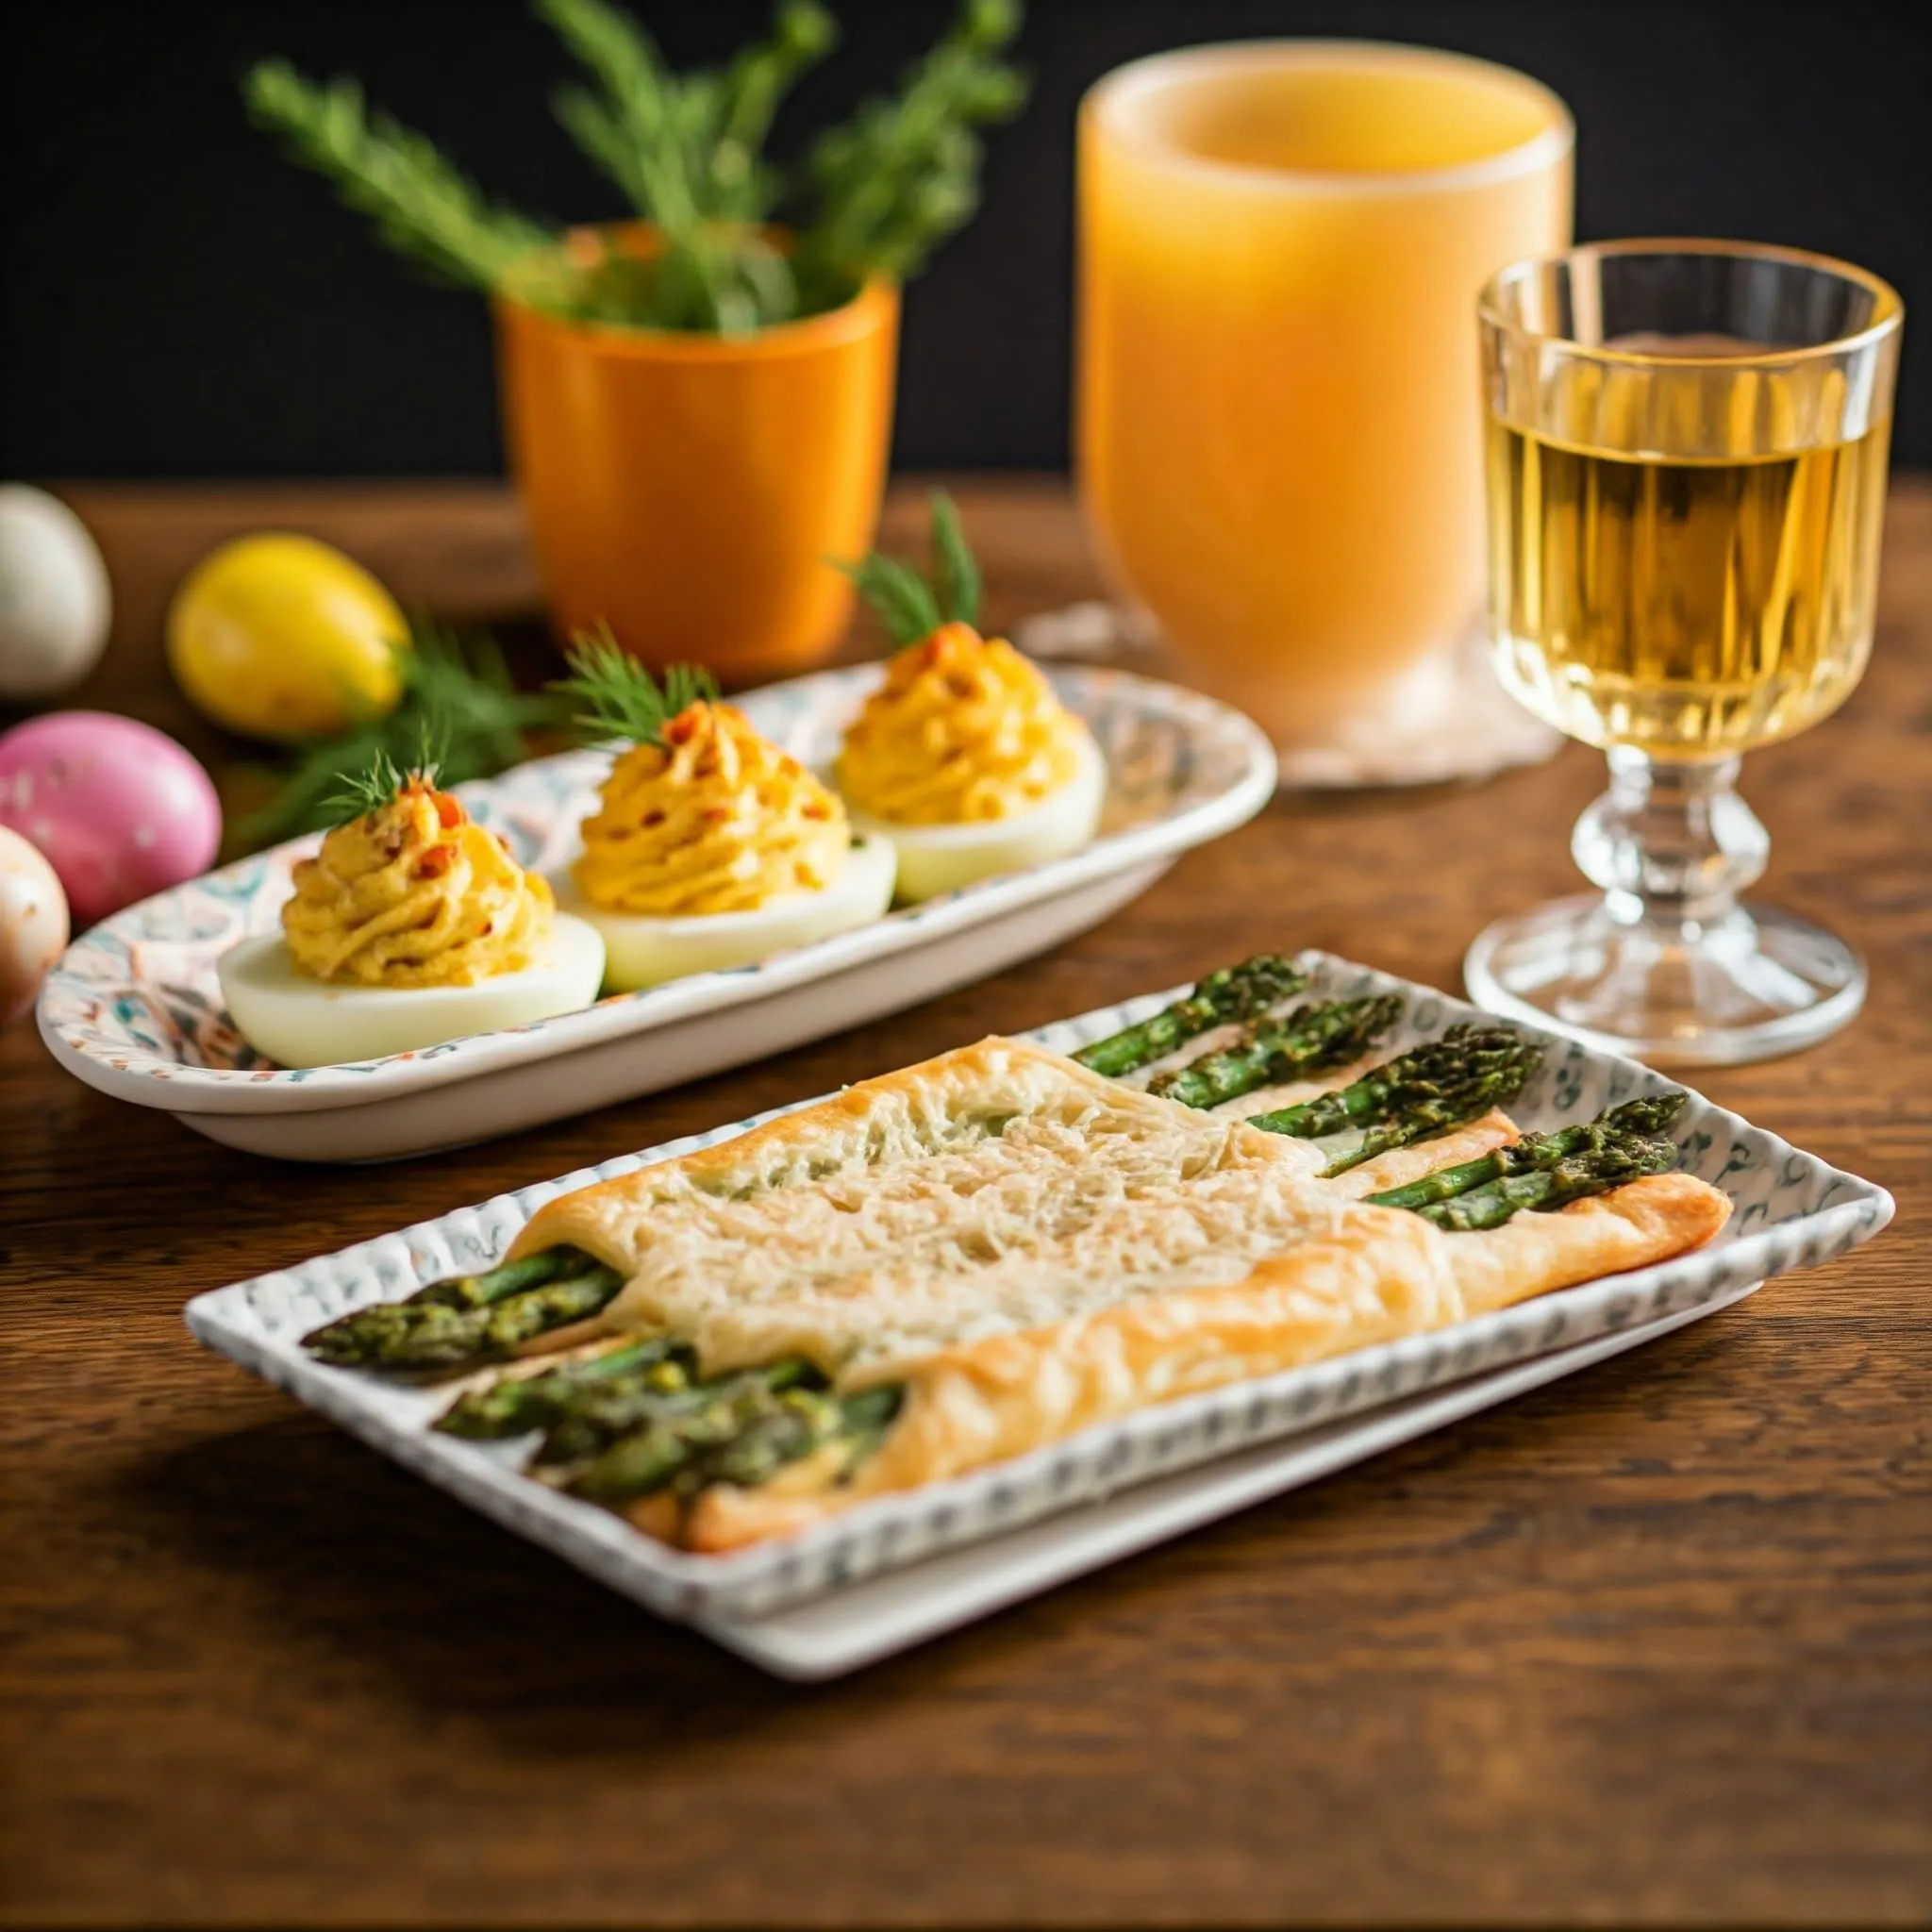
[1653,1645]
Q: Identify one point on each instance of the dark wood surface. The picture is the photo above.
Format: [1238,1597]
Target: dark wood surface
[1655,1644]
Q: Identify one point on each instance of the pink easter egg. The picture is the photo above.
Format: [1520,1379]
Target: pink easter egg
[33,924]
[119,808]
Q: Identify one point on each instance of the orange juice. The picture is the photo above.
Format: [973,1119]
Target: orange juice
[1278,418]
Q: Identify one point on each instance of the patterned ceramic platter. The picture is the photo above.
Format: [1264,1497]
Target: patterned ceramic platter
[1791,1211]
[134,1008]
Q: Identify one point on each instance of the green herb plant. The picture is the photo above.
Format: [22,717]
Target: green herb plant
[872,197]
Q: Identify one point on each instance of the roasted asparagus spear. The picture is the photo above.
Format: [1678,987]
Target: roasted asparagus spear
[606,1415]
[469,1318]
[1436,1084]
[744,1434]
[1543,1171]
[1644,1118]
[1272,1050]
[1234,996]
[1596,1172]
[515,1405]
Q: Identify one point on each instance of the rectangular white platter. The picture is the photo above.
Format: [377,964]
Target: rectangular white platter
[134,1008]
[829,1636]
[1791,1210]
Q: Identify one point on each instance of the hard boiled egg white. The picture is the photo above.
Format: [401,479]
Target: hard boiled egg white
[941,859]
[118,808]
[648,951]
[33,924]
[302,1022]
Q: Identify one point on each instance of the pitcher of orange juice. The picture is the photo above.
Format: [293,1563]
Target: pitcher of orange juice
[1277,434]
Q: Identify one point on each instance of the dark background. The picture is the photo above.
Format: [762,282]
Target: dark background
[176,300]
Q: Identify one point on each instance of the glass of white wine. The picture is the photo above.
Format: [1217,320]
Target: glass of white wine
[1686,449]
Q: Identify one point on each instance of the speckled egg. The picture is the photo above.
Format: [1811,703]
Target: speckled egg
[33,925]
[119,808]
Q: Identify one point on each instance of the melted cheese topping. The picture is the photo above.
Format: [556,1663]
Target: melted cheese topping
[715,819]
[992,1192]
[415,893]
[963,731]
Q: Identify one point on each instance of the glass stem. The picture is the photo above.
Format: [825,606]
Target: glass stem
[1672,844]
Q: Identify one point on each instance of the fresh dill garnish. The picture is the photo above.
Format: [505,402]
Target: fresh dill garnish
[623,697]
[363,791]
[371,788]
[912,605]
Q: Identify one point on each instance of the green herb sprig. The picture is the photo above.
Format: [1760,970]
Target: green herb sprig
[458,711]
[874,198]
[622,698]
[372,787]
[912,604]
[894,182]
[422,206]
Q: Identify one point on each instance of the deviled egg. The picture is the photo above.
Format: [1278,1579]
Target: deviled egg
[967,761]
[709,847]
[412,926]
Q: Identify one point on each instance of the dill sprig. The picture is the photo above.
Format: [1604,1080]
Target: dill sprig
[623,697]
[911,604]
[459,711]
[378,781]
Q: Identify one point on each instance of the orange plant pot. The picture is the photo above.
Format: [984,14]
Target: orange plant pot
[687,490]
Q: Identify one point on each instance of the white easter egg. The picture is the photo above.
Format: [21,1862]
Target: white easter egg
[55,603]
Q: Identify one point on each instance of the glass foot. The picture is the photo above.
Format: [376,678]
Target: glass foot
[1748,985]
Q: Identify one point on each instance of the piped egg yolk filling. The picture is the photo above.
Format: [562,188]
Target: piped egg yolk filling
[713,819]
[963,731]
[415,893]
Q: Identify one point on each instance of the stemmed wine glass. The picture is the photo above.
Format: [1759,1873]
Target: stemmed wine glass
[1686,448]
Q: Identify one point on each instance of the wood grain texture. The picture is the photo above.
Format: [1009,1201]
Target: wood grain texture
[1652,1645]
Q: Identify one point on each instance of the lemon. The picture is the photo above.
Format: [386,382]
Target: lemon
[281,636]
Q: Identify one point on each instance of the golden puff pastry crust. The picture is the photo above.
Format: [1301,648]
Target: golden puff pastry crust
[1027,1248]
[993,1187]
[1387,1274]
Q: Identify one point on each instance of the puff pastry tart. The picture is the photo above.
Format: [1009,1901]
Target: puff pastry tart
[1022,1247]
